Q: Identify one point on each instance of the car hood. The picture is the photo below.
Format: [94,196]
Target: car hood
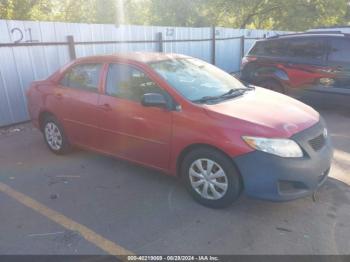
[265,113]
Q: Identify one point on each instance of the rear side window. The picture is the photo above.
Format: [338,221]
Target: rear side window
[129,83]
[274,48]
[339,50]
[84,77]
[307,49]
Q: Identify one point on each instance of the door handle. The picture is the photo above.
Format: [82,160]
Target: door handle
[106,107]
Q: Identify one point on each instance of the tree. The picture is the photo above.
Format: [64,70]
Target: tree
[16,9]
[296,15]
[180,13]
[309,14]
[279,14]
[87,11]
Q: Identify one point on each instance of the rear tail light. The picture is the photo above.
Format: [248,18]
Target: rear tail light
[247,59]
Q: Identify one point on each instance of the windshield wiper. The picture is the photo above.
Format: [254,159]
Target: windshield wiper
[234,92]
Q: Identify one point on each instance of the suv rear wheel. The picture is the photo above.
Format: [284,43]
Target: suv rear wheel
[211,178]
[272,85]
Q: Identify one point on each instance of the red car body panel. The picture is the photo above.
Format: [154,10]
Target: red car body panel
[304,75]
[322,63]
[156,137]
[299,76]
[266,113]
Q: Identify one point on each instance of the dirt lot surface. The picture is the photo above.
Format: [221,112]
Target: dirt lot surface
[85,203]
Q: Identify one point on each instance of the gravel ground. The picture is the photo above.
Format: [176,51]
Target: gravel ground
[150,213]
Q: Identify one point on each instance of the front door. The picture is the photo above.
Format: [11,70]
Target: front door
[339,61]
[128,129]
[306,60]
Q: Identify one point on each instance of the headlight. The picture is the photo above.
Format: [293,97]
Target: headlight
[278,147]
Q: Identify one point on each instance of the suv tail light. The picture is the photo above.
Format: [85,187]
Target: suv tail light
[247,59]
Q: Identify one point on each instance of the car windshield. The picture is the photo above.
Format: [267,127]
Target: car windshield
[196,79]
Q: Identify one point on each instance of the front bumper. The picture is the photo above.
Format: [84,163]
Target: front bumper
[270,177]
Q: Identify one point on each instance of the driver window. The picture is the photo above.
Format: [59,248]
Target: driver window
[127,82]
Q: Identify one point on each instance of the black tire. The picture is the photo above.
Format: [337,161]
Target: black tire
[272,85]
[64,146]
[234,185]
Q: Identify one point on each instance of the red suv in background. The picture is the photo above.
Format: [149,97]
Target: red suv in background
[319,59]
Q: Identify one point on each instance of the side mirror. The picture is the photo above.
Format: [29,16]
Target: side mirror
[154,100]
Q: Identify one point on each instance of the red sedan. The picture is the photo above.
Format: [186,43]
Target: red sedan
[189,119]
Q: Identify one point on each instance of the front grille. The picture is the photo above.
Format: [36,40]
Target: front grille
[318,142]
[290,187]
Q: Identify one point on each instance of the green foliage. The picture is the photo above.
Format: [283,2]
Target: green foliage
[14,9]
[86,11]
[269,14]
[179,12]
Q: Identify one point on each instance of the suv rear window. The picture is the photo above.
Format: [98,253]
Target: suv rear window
[339,50]
[306,48]
[275,48]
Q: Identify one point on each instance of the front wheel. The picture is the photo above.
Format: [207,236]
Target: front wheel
[211,178]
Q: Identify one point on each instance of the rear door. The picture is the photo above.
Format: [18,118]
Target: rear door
[339,61]
[263,60]
[306,61]
[78,94]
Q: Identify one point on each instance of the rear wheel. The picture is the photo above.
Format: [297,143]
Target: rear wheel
[272,85]
[54,136]
[211,178]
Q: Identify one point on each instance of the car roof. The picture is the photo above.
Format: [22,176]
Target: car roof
[139,57]
[309,35]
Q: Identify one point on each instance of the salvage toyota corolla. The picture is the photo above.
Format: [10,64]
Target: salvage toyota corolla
[187,118]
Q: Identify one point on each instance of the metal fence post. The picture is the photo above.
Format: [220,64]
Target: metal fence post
[242,46]
[71,47]
[213,45]
[160,41]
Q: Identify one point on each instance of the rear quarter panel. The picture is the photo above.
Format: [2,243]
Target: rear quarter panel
[39,96]
[35,102]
